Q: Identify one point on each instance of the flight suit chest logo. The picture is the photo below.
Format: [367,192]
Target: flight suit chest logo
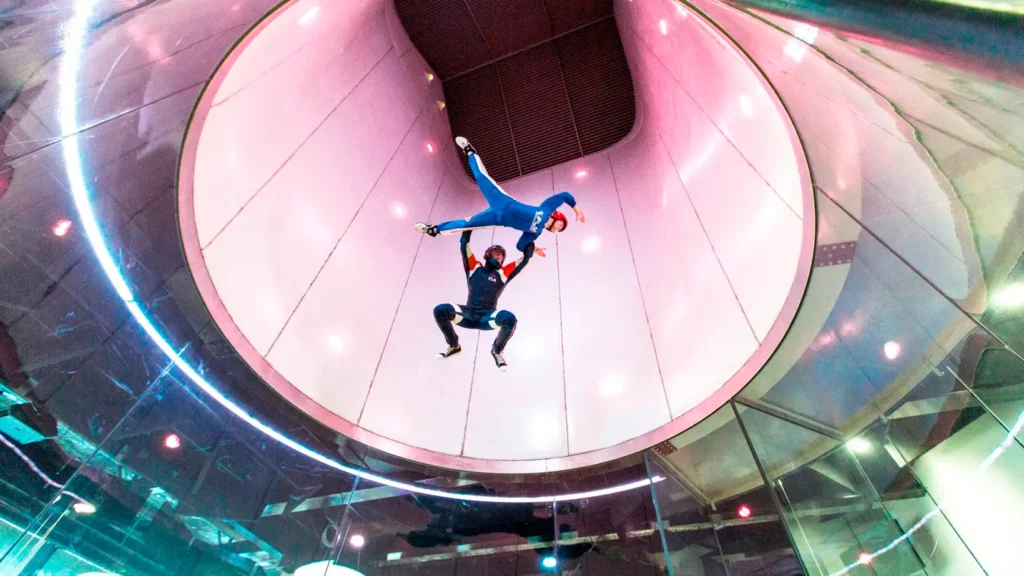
[492,277]
[536,220]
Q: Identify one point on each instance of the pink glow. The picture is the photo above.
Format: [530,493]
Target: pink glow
[744,511]
[823,341]
[864,558]
[321,220]
[172,441]
[61,228]
[849,327]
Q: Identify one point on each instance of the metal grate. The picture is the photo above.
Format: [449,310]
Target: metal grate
[599,84]
[511,25]
[538,108]
[566,15]
[532,83]
[445,33]
[476,110]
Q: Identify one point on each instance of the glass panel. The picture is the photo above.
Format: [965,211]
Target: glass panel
[922,146]
[407,533]
[414,534]
[995,375]
[933,539]
[868,331]
[833,511]
[969,464]
[9,531]
[685,500]
[717,514]
[689,531]
[179,487]
[610,535]
[859,506]
[887,343]
[759,544]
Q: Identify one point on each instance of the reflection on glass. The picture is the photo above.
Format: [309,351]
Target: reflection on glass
[609,536]
[717,515]
[406,533]
[967,462]
[688,531]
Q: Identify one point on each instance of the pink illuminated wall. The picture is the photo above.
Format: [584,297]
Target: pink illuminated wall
[321,142]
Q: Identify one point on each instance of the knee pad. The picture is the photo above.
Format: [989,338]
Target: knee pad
[506,319]
[444,312]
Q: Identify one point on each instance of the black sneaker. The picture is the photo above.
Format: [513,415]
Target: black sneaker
[426,229]
[499,361]
[465,145]
[451,351]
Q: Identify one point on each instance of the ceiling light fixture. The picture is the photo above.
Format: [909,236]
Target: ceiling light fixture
[892,349]
[172,441]
[859,445]
[61,228]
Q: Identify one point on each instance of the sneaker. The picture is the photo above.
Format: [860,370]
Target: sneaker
[464,144]
[426,229]
[451,351]
[499,361]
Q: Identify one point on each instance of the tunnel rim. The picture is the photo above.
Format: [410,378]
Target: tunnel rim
[284,388]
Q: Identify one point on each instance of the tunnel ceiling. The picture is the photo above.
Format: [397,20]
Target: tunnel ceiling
[532,83]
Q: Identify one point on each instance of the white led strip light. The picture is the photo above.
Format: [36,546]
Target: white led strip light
[73,47]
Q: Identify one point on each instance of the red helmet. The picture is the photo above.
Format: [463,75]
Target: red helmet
[559,217]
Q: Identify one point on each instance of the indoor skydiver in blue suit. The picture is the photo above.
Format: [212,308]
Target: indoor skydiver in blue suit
[505,210]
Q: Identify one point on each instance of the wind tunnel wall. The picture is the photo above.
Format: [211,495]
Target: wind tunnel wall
[321,141]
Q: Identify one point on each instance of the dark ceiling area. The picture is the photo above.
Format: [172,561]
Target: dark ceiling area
[532,83]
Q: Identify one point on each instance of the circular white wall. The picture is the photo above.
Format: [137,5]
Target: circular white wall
[319,144]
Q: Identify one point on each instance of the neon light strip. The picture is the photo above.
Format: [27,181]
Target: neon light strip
[39,472]
[68,114]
